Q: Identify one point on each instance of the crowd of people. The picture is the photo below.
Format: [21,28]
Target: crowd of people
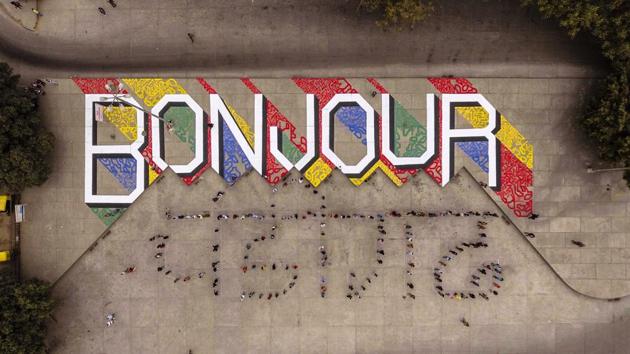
[250,265]
[409,262]
[379,217]
[202,215]
[485,281]
[323,263]
[357,285]
[162,268]
[102,11]
[492,270]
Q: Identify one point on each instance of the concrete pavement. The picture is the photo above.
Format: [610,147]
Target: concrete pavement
[573,205]
[286,38]
[534,312]
[530,70]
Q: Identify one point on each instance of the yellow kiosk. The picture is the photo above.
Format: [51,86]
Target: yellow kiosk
[5,207]
[5,203]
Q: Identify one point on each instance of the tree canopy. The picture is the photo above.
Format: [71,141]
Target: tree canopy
[606,119]
[24,310]
[25,145]
[607,21]
[397,13]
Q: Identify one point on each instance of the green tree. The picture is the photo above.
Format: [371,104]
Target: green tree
[24,309]
[607,21]
[397,13]
[606,120]
[25,145]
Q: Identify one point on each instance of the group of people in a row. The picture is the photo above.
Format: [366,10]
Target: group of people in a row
[493,270]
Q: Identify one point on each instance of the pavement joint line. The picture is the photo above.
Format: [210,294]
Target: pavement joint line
[505,215]
[518,229]
[89,249]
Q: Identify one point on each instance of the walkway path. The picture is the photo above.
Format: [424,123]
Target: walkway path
[287,38]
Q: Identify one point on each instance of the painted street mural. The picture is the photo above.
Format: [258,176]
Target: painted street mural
[455,118]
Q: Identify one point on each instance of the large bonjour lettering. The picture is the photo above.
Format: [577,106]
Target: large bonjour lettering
[113,157]
[394,140]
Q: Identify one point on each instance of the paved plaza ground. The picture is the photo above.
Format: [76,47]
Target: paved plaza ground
[535,312]
[283,38]
[537,308]
[555,297]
